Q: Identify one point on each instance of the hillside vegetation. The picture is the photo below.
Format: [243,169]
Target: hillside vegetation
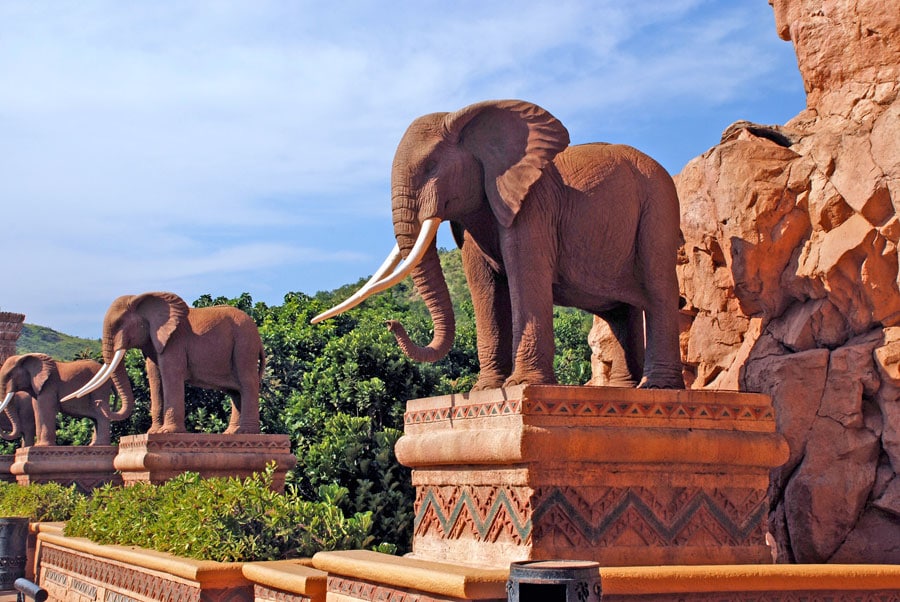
[40,339]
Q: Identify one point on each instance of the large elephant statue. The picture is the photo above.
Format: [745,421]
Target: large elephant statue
[539,222]
[51,384]
[211,347]
[22,424]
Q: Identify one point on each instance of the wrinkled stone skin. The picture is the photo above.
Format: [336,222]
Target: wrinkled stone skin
[789,276]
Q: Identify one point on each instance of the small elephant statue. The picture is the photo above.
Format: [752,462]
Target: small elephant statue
[22,425]
[539,222]
[210,347]
[50,385]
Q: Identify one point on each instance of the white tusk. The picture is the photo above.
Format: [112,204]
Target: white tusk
[363,293]
[377,283]
[426,236]
[6,400]
[101,377]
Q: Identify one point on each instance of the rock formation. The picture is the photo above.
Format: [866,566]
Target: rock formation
[789,274]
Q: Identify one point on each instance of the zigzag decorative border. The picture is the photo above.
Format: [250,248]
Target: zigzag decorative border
[485,525]
[555,513]
[594,409]
[553,506]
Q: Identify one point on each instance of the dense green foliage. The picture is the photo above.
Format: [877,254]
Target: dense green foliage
[40,339]
[47,502]
[223,519]
[339,389]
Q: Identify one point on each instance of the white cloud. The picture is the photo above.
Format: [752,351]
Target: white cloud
[217,141]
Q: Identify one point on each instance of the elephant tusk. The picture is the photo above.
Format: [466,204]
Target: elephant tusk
[426,236]
[6,400]
[363,293]
[101,377]
[373,286]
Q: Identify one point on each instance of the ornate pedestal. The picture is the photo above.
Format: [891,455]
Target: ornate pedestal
[155,458]
[618,476]
[87,466]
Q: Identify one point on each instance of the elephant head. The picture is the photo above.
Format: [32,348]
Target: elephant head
[474,166]
[16,376]
[144,322]
[32,372]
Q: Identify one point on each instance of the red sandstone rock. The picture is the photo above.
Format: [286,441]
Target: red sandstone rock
[789,274]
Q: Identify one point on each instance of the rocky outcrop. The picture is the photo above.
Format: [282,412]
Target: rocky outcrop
[789,274]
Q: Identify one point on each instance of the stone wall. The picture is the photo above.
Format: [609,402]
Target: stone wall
[789,276]
[10,329]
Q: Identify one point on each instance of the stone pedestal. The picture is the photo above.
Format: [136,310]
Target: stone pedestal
[85,466]
[158,457]
[618,476]
[6,462]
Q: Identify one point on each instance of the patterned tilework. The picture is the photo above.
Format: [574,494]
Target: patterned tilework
[594,409]
[592,516]
[482,410]
[65,572]
[265,594]
[597,516]
[485,513]
[365,590]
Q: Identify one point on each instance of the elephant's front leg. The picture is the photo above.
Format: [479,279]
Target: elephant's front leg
[45,406]
[493,318]
[529,268]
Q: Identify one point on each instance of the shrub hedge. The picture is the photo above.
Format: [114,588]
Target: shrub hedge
[44,502]
[223,519]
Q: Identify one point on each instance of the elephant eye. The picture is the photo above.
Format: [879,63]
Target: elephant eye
[430,167]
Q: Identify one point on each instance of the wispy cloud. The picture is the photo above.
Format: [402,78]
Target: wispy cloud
[250,143]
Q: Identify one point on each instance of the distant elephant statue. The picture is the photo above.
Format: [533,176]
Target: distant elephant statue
[593,226]
[210,347]
[51,385]
[22,425]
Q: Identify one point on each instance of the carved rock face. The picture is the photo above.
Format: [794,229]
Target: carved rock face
[789,272]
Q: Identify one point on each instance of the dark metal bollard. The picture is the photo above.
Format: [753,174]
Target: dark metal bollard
[29,591]
[13,540]
[554,580]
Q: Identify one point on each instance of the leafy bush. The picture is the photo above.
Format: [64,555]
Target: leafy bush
[48,502]
[224,519]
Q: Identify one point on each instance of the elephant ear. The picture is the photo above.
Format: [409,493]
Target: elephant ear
[41,367]
[514,140]
[164,312]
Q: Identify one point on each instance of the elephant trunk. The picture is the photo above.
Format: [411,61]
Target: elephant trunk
[125,393]
[8,399]
[431,285]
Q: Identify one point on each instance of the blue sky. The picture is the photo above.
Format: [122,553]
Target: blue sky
[224,147]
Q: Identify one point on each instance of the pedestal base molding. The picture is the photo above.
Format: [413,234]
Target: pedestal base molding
[156,458]
[85,466]
[618,476]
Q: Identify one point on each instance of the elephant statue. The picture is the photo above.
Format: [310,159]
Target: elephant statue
[209,347]
[22,424]
[51,385]
[538,222]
